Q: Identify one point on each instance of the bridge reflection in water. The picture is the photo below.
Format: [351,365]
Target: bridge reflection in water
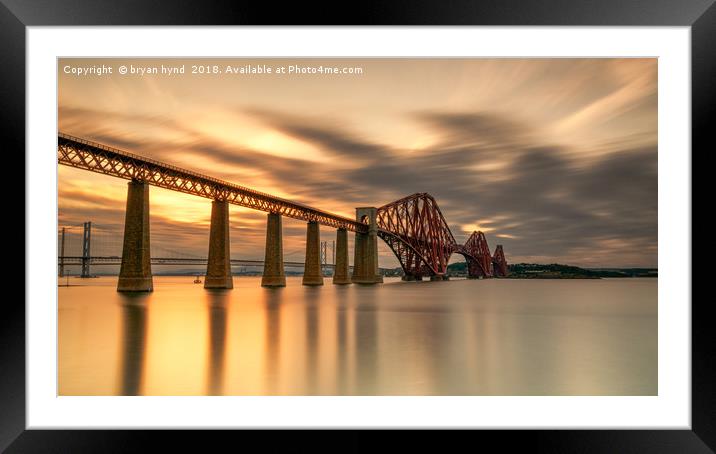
[134,323]
[494,337]
[337,339]
[217,301]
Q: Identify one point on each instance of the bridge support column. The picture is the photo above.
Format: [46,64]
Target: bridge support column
[135,273]
[86,235]
[312,274]
[340,273]
[274,275]
[218,268]
[474,271]
[365,257]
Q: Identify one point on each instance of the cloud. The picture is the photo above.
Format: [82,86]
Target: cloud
[467,128]
[326,133]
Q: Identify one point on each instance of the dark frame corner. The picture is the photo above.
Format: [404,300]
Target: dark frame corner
[16,15]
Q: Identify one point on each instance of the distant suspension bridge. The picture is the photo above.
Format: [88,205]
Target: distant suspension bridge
[88,244]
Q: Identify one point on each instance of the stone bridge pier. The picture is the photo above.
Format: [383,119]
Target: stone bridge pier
[340,273]
[274,274]
[365,258]
[135,273]
[218,268]
[312,274]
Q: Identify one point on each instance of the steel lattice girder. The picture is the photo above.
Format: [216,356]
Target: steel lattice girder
[499,262]
[95,157]
[416,231]
[476,248]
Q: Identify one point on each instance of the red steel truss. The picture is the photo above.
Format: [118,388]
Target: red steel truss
[499,263]
[96,157]
[477,253]
[416,231]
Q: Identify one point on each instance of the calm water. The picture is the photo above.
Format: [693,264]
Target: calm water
[488,337]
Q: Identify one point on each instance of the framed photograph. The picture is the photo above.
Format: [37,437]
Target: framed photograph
[462,216]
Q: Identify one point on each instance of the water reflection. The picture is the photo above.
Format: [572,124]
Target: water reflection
[342,352]
[365,340]
[499,337]
[272,338]
[217,303]
[134,334]
[312,300]
[436,355]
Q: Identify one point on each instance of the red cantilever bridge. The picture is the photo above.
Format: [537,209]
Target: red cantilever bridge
[413,227]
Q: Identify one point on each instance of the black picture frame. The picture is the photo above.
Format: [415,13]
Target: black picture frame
[700,15]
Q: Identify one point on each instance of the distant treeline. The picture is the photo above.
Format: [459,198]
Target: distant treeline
[558,271]
[527,270]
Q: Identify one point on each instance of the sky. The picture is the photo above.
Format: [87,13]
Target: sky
[555,159]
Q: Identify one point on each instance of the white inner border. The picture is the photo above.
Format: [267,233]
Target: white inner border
[670,409]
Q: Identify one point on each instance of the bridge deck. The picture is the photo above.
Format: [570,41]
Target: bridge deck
[96,157]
